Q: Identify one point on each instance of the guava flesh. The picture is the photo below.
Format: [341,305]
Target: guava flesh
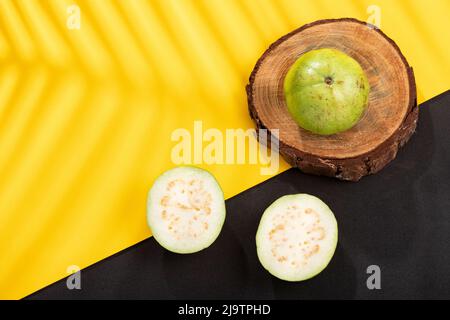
[185,209]
[326,91]
[296,237]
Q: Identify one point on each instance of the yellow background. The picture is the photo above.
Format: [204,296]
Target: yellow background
[86,115]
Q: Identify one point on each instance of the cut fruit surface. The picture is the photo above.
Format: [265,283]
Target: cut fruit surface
[185,209]
[297,237]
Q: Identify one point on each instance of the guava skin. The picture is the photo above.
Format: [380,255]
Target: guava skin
[326,91]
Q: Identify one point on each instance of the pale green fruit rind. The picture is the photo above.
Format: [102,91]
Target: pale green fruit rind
[159,226]
[326,108]
[324,256]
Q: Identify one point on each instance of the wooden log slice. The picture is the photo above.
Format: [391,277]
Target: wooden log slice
[390,118]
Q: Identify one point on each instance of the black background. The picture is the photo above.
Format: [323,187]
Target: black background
[398,219]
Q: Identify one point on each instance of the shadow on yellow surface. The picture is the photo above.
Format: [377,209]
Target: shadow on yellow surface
[86,115]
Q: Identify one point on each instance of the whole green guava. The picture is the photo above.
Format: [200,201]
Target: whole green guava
[326,91]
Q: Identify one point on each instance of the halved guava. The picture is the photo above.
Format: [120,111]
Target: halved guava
[185,209]
[297,237]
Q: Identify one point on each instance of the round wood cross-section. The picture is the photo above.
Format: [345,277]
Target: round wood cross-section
[388,122]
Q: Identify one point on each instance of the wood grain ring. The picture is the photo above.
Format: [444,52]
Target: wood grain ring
[388,123]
